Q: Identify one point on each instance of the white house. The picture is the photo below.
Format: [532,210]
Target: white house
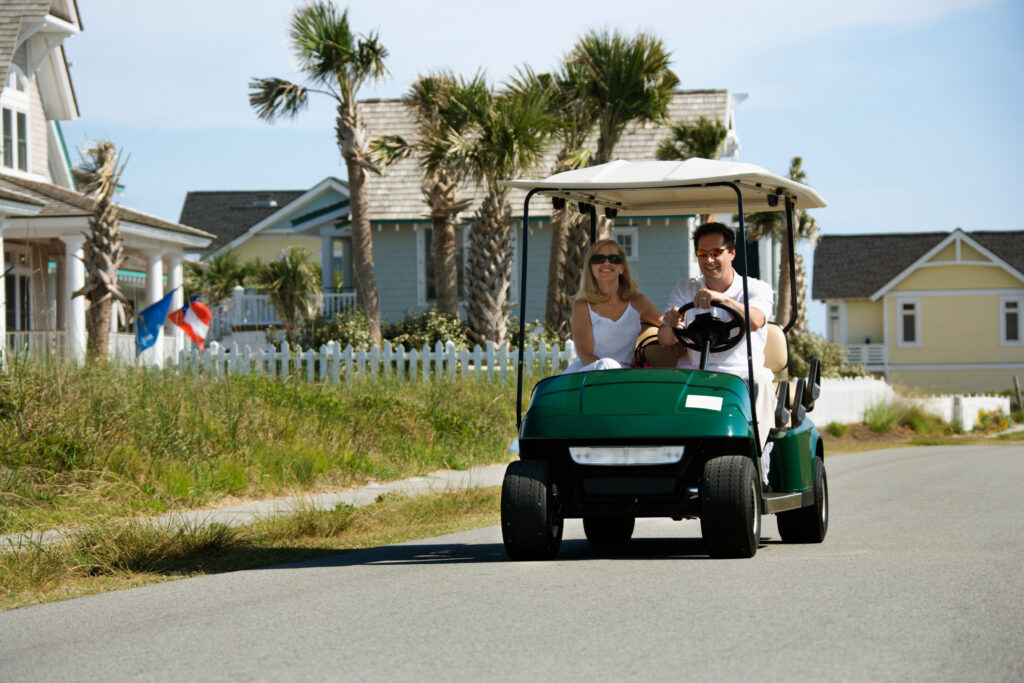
[43,218]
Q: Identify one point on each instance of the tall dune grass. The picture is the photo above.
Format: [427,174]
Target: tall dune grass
[80,442]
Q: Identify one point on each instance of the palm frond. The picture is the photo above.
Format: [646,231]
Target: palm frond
[389,149]
[274,98]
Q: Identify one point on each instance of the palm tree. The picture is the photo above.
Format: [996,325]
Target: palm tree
[574,117]
[439,123]
[98,176]
[703,138]
[339,62]
[292,283]
[628,80]
[216,278]
[759,225]
[509,135]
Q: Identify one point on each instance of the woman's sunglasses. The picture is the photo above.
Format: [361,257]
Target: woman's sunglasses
[601,258]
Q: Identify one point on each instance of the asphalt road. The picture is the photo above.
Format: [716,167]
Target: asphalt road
[921,578]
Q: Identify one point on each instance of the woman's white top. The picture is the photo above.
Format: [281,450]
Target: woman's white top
[614,340]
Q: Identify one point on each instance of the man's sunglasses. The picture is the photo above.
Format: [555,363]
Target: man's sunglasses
[713,253]
[601,258]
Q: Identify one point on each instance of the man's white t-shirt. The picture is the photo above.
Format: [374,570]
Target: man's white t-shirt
[734,360]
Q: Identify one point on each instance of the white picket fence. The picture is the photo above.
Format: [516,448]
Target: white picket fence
[333,364]
[846,400]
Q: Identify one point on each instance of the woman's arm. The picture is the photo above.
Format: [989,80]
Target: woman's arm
[648,312]
[582,332]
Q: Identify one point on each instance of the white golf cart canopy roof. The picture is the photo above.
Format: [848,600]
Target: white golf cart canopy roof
[662,188]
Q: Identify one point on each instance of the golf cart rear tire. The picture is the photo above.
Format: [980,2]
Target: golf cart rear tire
[530,525]
[609,529]
[809,524]
[730,508]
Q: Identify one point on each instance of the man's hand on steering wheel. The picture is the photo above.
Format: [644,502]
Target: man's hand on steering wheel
[723,334]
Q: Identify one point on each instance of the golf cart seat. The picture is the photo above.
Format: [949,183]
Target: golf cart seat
[651,354]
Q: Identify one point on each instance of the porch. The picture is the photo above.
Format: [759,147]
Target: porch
[874,357]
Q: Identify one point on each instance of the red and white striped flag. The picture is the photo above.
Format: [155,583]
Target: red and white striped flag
[194,318]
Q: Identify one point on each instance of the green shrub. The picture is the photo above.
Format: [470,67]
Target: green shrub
[426,329]
[349,328]
[837,429]
[924,424]
[804,347]
[992,421]
[883,417]
[536,332]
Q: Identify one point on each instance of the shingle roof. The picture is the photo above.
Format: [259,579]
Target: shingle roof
[60,202]
[857,266]
[228,214]
[397,194]
[12,13]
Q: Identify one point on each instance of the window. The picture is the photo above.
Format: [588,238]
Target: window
[14,121]
[629,239]
[1011,320]
[908,313]
[428,260]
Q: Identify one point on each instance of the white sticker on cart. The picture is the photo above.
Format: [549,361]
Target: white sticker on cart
[705,402]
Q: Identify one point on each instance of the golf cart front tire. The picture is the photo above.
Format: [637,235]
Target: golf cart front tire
[530,525]
[730,513]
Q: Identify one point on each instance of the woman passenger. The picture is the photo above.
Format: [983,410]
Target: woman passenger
[608,310]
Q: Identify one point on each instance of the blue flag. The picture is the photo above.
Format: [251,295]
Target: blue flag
[148,324]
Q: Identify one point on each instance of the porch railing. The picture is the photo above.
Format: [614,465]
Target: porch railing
[37,344]
[868,355]
[249,310]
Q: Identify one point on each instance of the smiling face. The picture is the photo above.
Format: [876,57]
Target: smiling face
[607,270]
[715,261]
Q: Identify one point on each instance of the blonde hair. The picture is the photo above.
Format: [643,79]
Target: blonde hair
[590,292]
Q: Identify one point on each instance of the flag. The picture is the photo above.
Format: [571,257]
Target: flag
[147,326]
[194,318]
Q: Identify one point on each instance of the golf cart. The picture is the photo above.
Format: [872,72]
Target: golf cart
[610,446]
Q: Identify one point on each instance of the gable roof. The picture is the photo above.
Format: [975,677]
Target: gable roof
[228,214]
[860,266]
[12,14]
[396,196]
[59,202]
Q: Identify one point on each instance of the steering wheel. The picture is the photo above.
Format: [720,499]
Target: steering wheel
[705,328]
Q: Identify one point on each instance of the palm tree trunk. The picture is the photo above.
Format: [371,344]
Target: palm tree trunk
[443,208]
[352,141]
[783,308]
[488,271]
[556,294]
[576,239]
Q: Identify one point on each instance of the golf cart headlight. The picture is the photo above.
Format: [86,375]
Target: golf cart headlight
[626,455]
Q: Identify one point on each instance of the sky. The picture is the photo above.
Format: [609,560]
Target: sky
[907,113]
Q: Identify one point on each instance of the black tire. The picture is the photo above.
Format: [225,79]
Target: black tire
[809,524]
[530,525]
[609,529]
[730,507]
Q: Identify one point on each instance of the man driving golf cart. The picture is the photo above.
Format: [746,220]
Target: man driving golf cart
[714,245]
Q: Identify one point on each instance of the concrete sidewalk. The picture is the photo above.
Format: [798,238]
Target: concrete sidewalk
[237,515]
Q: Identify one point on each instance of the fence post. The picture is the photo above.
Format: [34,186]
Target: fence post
[349,357]
[400,362]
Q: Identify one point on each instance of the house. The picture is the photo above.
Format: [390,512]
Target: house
[43,218]
[936,311]
[660,254]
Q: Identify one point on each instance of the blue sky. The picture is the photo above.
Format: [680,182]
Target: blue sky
[907,113]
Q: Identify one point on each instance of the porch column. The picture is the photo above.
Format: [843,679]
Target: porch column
[62,293]
[174,281]
[3,295]
[327,263]
[74,271]
[154,292]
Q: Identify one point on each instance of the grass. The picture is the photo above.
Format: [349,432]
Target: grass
[77,444]
[107,555]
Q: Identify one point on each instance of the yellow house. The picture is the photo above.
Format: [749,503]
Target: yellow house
[937,312]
